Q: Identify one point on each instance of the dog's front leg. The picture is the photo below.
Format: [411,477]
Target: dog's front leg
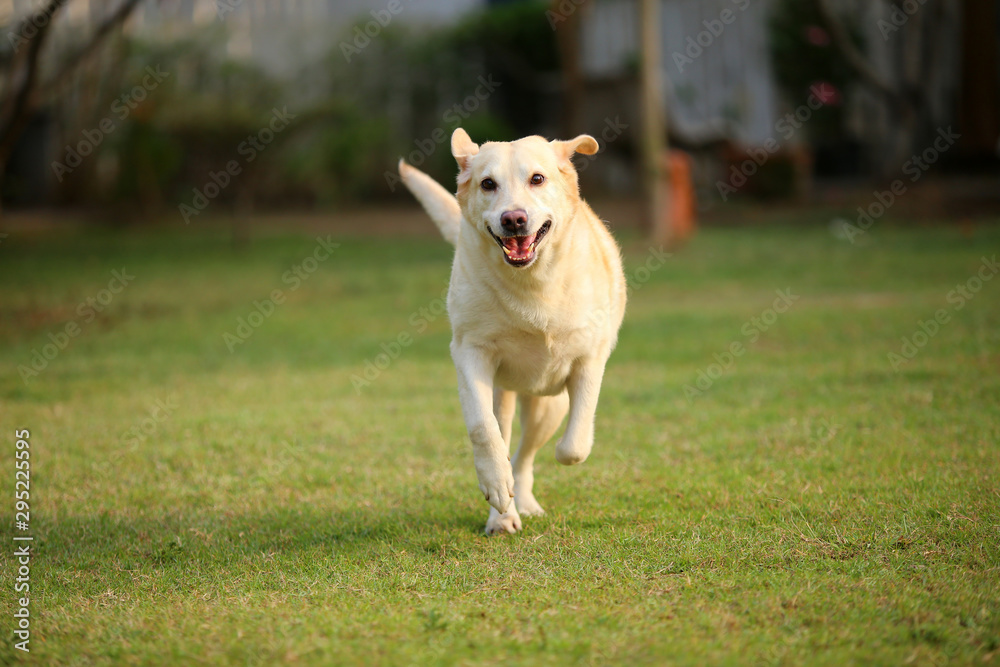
[475,390]
[584,386]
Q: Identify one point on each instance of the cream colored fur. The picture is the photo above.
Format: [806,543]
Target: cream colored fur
[538,334]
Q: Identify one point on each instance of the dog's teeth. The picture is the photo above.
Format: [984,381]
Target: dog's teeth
[531,248]
[506,252]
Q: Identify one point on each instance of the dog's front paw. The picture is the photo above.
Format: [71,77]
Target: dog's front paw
[507,523]
[496,481]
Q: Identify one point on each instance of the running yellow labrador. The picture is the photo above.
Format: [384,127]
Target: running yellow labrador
[536,299]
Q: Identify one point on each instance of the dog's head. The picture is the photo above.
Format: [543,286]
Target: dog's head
[520,195]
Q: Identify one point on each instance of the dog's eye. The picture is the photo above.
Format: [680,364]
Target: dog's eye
[488,184]
[537,179]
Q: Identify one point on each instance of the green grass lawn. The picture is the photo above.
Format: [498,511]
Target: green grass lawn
[192,505]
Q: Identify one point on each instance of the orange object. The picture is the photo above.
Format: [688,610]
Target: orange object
[681,213]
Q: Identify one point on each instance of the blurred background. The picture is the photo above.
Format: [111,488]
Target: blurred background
[133,111]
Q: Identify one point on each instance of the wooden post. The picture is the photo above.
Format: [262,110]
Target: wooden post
[568,40]
[653,123]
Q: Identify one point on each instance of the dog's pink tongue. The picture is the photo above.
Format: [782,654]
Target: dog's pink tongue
[518,247]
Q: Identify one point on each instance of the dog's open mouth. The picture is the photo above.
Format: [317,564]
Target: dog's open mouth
[520,250]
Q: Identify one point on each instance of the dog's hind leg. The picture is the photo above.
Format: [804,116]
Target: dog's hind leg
[540,419]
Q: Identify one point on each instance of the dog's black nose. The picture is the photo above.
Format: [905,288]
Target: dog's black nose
[514,222]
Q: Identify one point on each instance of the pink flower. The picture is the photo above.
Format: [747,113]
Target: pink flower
[817,36]
[826,93]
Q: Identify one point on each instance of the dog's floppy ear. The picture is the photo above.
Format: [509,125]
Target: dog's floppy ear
[584,143]
[463,148]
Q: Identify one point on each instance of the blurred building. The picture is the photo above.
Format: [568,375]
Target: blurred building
[715,82]
[279,34]
[722,87]
[720,83]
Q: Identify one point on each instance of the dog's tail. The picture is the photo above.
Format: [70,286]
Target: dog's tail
[440,204]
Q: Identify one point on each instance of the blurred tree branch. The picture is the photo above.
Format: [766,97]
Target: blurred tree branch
[22,74]
[855,59]
[115,19]
[907,101]
[906,92]
[17,109]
